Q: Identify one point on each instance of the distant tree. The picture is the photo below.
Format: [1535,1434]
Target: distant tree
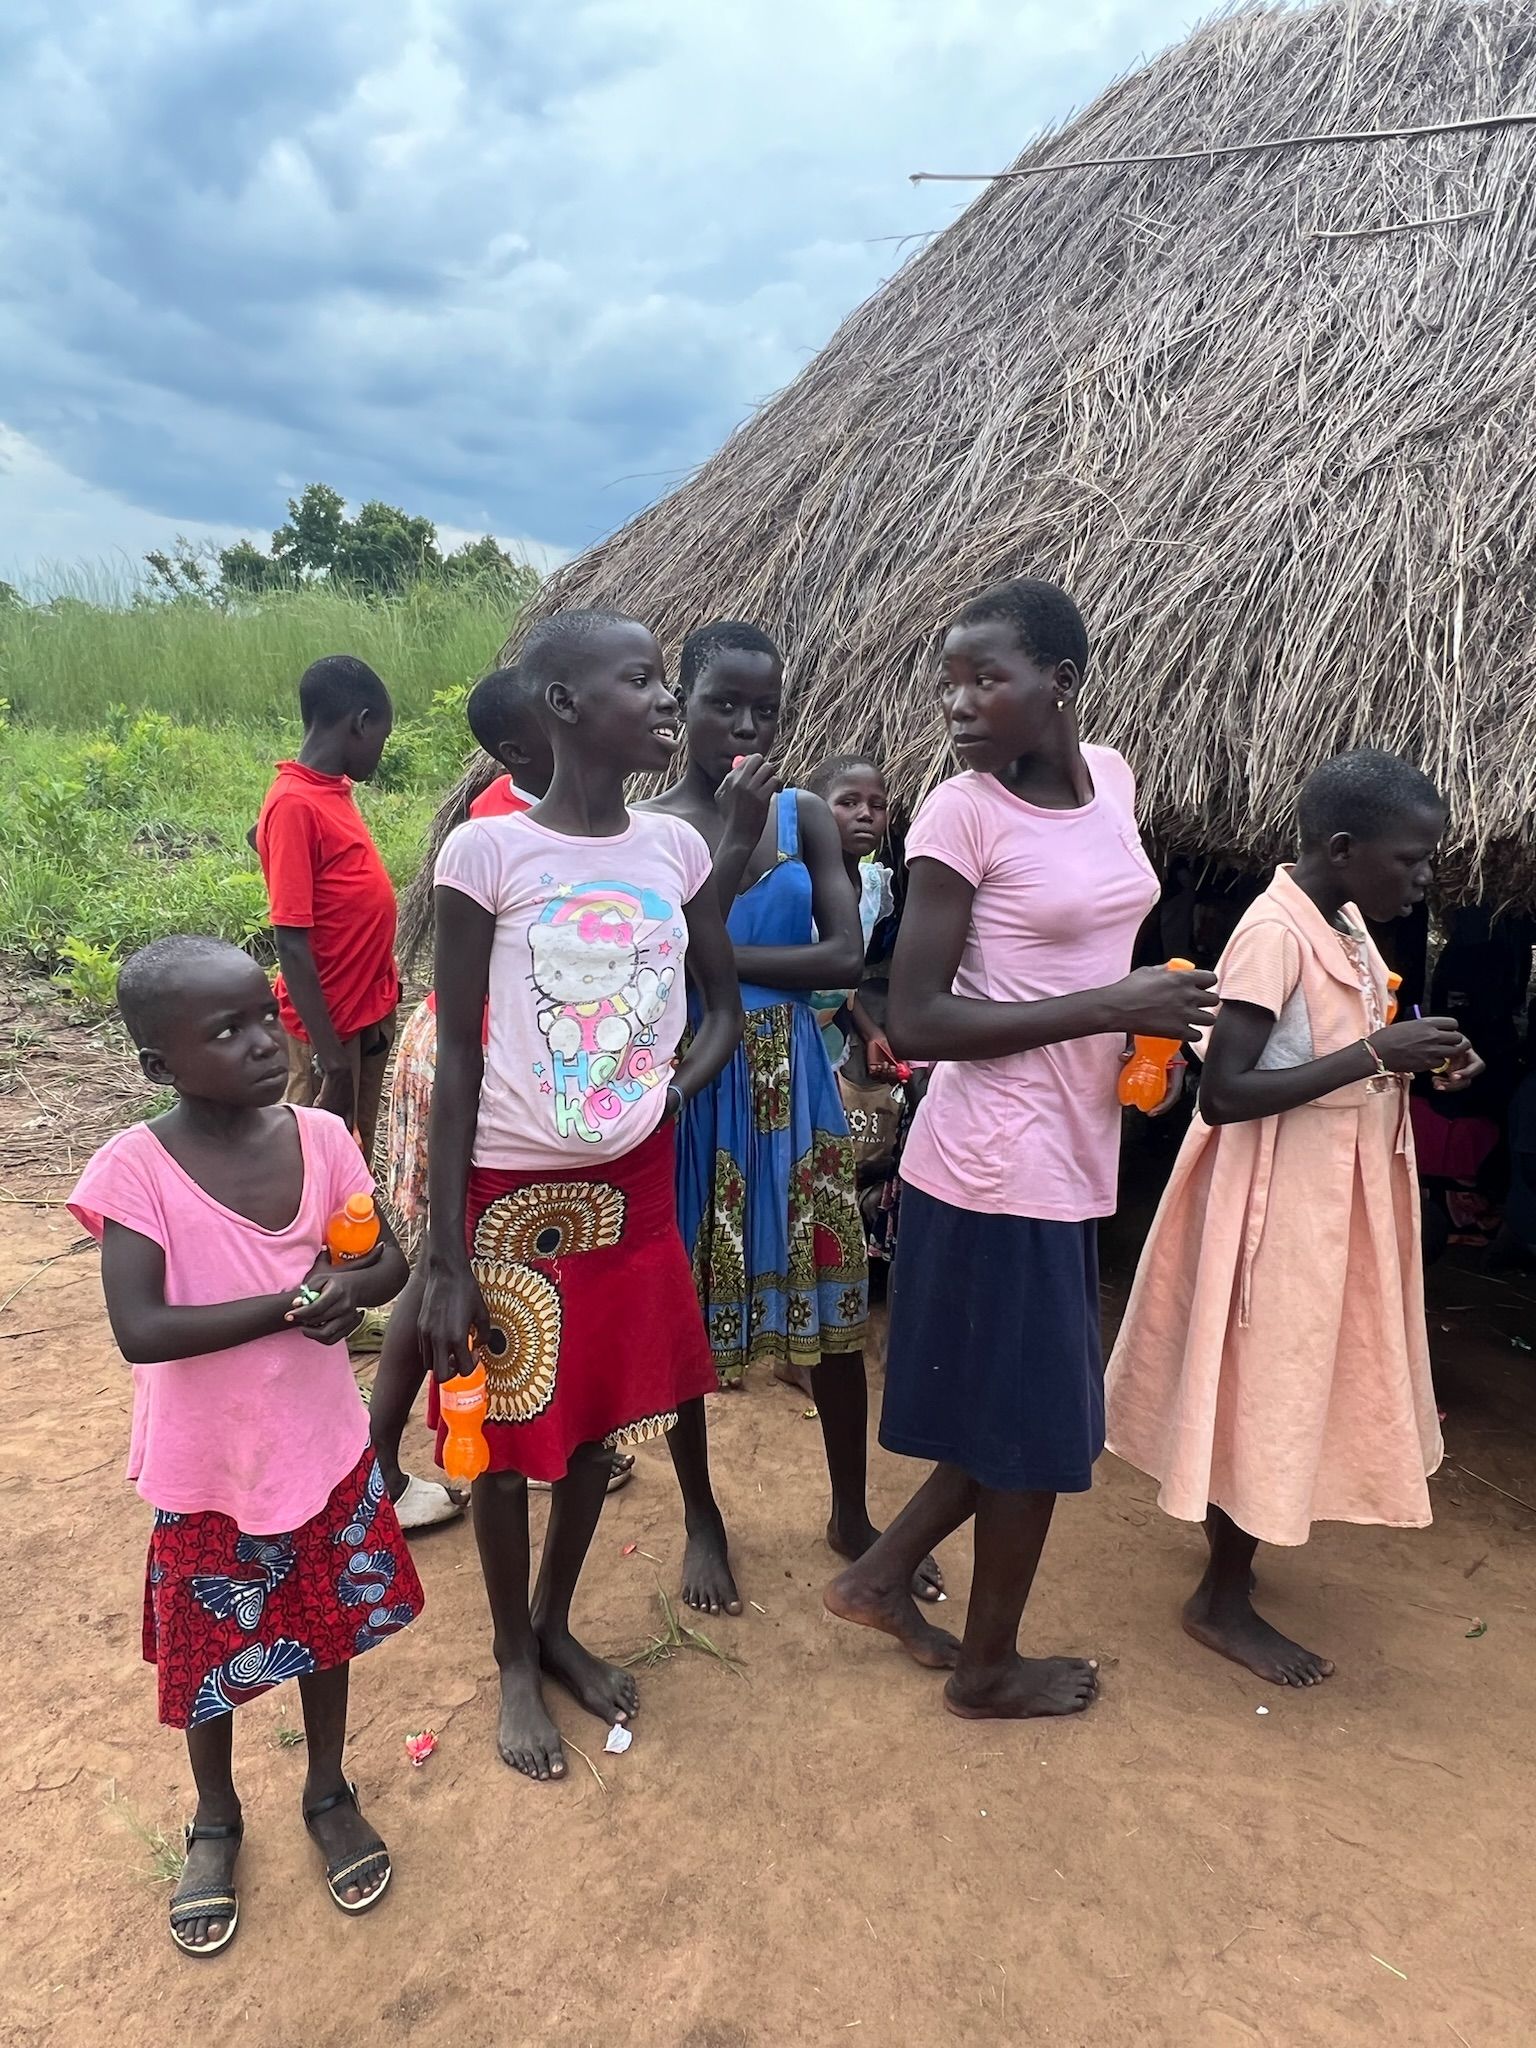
[383,551]
[11,598]
[309,541]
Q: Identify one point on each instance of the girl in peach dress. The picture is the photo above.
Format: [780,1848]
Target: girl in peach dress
[1273,1369]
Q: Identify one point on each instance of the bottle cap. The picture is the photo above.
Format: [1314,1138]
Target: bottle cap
[359,1208]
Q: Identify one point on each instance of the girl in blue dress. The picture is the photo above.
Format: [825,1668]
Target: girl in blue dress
[766,1198]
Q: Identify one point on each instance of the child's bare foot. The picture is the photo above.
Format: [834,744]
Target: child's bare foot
[526,1738]
[854,1596]
[207,1875]
[852,1540]
[794,1376]
[1234,1630]
[603,1689]
[708,1586]
[1024,1688]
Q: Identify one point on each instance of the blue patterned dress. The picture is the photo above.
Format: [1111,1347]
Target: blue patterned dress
[765,1180]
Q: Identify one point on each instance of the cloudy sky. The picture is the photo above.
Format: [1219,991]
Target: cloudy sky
[517,266]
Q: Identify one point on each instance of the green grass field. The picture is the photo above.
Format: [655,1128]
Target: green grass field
[137,744]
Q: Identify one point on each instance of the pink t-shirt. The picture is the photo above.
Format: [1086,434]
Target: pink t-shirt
[587,995]
[263,1432]
[1059,898]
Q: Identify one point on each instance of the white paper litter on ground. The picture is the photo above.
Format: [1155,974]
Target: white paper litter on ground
[619,1739]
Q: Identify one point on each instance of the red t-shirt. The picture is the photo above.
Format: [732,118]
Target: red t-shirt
[502,800]
[324,876]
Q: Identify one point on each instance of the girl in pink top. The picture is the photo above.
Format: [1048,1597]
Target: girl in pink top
[1272,1368]
[275,1552]
[1028,884]
[552,1223]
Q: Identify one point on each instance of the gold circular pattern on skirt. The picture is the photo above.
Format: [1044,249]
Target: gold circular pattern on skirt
[550,1220]
[522,1346]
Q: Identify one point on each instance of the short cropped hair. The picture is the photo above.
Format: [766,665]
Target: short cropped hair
[1045,620]
[498,705]
[721,636]
[546,656]
[824,778]
[337,687]
[150,981]
[1364,794]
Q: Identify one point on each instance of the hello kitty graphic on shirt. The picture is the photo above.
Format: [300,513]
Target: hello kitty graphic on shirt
[599,999]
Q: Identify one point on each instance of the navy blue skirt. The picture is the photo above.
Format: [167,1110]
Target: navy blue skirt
[994,1361]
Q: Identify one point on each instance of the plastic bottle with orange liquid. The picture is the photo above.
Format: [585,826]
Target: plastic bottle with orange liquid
[461,1402]
[1144,1077]
[353,1231]
[1394,983]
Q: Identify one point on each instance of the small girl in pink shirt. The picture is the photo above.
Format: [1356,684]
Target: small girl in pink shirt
[1028,884]
[275,1552]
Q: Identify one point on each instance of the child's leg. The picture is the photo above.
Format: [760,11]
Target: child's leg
[1220,1613]
[876,1591]
[841,1394]
[527,1738]
[210,1866]
[341,1831]
[707,1582]
[402,1368]
[603,1689]
[992,1681]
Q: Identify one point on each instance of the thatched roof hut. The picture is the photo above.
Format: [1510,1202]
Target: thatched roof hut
[1272,417]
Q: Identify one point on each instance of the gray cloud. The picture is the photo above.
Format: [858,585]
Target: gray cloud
[511,266]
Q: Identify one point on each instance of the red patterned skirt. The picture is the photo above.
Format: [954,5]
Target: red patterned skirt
[228,1616]
[596,1333]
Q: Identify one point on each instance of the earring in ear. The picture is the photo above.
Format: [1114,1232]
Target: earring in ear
[1061,703]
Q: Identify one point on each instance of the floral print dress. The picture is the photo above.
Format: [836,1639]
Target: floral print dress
[765,1180]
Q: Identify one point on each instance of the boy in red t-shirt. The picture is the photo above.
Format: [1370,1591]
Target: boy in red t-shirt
[332,904]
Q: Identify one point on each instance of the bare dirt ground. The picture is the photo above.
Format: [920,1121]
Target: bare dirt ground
[811,1851]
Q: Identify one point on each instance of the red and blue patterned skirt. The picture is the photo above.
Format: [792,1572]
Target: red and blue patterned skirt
[228,1616]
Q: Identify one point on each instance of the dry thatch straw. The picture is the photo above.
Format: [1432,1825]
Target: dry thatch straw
[1272,425]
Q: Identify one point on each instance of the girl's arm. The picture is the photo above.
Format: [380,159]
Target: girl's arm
[452,1305]
[878,1056]
[712,970]
[926,1020]
[343,1292]
[836,958]
[148,1331]
[744,800]
[1233,1091]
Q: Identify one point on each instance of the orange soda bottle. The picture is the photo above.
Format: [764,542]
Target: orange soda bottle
[353,1231]
[1394,983]
[1144,1077]
[461,1403]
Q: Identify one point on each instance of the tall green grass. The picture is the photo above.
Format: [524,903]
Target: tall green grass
[136,745]
[67,663]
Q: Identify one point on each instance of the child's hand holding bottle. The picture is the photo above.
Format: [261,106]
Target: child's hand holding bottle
[326,1306]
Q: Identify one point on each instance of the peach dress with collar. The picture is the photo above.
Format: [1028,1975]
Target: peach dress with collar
[1273,1359]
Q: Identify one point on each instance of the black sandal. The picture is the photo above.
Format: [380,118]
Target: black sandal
[357,1869]
[191,1906]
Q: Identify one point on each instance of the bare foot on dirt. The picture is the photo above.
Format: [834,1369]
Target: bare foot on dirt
[1242,1635]
[708,1587]
[1024,1689]
[852,1542]
[603,1689]
[853,1597]
[526,1738]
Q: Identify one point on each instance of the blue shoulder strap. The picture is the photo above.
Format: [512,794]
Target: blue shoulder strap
[788,802]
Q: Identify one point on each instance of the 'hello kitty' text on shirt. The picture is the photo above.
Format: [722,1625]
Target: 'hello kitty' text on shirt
[587,997]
